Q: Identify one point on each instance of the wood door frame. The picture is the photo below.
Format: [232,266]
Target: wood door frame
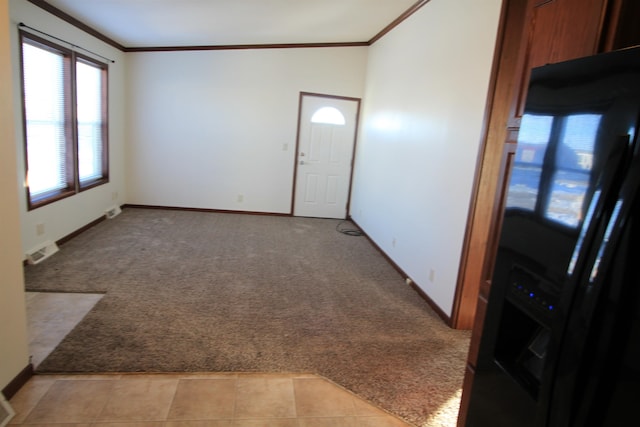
[482,210]
[358,102]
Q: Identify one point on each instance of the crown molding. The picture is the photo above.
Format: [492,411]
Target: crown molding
[76,23]
[407,13]
[86,28]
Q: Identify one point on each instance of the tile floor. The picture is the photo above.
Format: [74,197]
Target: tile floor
[192,400]
[186,400]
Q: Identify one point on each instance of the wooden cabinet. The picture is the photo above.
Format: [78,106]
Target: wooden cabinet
[555,30]
[532,33]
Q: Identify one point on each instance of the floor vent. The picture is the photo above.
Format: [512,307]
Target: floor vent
[6,413]
[42,252]
[112,212]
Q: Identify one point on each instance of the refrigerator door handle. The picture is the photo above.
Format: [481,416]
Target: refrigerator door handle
[588,262]
[599,284]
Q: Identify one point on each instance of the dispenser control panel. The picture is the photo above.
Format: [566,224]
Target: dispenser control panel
[532,292]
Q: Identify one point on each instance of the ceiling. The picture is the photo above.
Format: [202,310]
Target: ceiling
[175,23]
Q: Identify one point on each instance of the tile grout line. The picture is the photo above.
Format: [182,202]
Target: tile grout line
[96,418]
[35,405]
[295,405]
[235,399]
[173,399]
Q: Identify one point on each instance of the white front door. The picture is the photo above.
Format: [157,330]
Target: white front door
[326,138]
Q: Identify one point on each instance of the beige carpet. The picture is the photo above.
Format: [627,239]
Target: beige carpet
[193,291]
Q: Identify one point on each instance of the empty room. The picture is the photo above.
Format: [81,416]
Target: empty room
[261,212]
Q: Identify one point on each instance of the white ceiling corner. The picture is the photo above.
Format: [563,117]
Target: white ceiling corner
[174,23]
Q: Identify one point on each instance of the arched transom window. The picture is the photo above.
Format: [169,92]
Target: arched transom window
[328,115]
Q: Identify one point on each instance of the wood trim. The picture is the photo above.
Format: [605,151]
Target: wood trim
[75,233]
[459,317]
[76,23]
[619,29]
[187,209]
[16,384]
[407,13]
[445,318]
[79,231]
[95,222]
[92,31]
[467,383]
[245,46]
[324,95]
[608,33]
[295,155]
[353,156]
[355,142]
[499,204]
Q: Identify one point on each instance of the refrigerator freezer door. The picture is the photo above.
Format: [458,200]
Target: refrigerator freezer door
[598,369]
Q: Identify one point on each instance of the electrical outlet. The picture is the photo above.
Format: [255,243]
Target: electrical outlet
[114,195]
[240,198]
[285,147]
[393,242]
[39,229]
[432,275]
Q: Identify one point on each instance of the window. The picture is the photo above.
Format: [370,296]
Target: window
[328,115]
[65,121]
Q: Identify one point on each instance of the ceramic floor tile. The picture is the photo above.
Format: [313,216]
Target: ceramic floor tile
[139,400]
[28,397]
[267,422]
[208,423]
[203,399]
[318,397]
[328,422]
[62,425]
[264,397]
[71,402]
[364,408]
[385,421]
[182,376]
[128,424]
[78,377]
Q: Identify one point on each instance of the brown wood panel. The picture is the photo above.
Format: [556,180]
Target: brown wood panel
[621,29]
[481,215]
[469,374]
[558,30]
[477,331]
[578,25]
[508,156]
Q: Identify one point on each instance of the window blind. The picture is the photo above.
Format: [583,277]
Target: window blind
[46,111]
[90,121]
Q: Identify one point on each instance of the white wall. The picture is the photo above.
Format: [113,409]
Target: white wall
[423,108]
[66,216]
[207,126]
[14,355]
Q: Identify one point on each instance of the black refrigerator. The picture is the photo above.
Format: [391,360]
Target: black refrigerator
[561,340]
